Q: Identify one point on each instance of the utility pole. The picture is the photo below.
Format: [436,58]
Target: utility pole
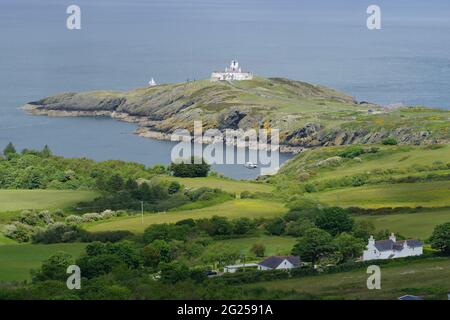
[142,212]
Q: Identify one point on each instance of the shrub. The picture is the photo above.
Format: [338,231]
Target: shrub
[334,220]
[351,152]
[18,231]
[106,236]
[258,249]
[309,187]
[187,168]
[390,141]
[440,238]
[58,232]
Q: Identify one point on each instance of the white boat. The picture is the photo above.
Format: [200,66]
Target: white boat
[250,165]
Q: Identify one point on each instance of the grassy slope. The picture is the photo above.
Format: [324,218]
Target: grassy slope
[4,240]
[274,245]
[227,185]
[426,194]
[390,157]
[391,162]
[411,225]
[414,278]
[16,261]
[287,104]
[231,209]
[15,200]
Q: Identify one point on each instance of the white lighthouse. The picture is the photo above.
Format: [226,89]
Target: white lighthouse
[152,83]
[231,73]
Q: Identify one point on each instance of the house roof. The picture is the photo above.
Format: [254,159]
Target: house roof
[410,297]
[386,245]
[274,261]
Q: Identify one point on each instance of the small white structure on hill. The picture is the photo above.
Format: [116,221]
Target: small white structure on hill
[279,263]
[232,73]
[152,83]
[391,248]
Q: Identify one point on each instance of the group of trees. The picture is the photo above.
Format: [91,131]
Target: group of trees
[39,169]
[328,234]
[190,168]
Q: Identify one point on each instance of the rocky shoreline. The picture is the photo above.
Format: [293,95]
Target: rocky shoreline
[142,122]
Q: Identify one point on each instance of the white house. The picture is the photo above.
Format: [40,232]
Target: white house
[235,267]
[232,73]
[391,248]
[280,263]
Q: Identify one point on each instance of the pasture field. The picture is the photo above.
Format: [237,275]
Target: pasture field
[425,194]
[428,278]
[228,185]
[4,240]
[391,158]
[250,208]
[274,245]
[16,200]
[17,260]
[412,225]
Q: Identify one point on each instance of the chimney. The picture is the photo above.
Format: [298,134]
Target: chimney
[392,237]
[371,241]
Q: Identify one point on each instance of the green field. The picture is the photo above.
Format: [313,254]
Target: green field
[228,185]
[392,158]
[16,200]
[414,278]
[4,240]
[412,225]
[249,208]
[16,261]
[426,194]
[274,245]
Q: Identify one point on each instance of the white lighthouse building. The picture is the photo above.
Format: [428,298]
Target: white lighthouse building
[232,73]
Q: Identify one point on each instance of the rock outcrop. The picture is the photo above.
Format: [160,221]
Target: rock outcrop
[306,115]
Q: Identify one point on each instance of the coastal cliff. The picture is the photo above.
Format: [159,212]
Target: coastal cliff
[307,115]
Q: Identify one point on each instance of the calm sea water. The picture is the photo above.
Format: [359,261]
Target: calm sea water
[123,44]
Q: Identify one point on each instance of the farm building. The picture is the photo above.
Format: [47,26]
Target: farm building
[391,248]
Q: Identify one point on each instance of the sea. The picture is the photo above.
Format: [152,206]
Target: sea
[122,44]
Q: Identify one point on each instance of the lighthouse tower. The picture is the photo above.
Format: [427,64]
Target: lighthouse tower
[152,83]
[231,73]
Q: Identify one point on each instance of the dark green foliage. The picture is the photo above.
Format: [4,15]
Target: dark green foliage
[54,268]
[174,272]
[334,220]
[166,232]
[276,227]
[94,266]
[315,244]
[174,187]
[9,150]
[349,246]
[391,141]
[106,236]
[258,249]
[243,226]
[190,168]
[40,169]
[440,239]
[363,229]
[57,233]
[351,152]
